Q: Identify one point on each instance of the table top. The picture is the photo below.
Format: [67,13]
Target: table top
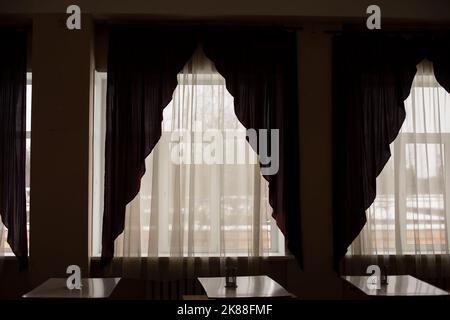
[401,285]
[247,287]
[92,288]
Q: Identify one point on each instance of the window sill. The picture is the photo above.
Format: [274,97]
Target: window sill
[96,259]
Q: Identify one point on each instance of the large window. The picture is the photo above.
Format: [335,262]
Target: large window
[4,232]
[182,210]
[411,212]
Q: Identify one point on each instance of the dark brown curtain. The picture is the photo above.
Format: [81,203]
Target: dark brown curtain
[142,75]
[13,50]
[260,70]
[440,56]
[372,78]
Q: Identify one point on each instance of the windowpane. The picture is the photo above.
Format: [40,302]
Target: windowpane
[425,197]
[232,227]
[411,211]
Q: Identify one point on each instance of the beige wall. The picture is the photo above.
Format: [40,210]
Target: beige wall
[62,107]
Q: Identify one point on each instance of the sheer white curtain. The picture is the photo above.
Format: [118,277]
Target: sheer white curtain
[202,194]
[411,213]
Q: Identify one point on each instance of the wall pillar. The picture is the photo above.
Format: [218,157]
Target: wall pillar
[62,66]
[315,125]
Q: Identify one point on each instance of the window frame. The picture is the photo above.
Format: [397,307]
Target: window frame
[100,87]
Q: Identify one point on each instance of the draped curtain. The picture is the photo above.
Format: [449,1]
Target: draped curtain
[202,200]
[411,213]
[260,70]
[373,75]
[142,75]
[13,49]
[259,67]
[407,229]
[439,52]
[203,193]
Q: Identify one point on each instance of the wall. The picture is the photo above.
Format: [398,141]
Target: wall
[315,162]
[60,162]
[62,105]
[418,10]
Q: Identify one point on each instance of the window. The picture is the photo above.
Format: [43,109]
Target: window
[411,212]
[233,228]
[4,234]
